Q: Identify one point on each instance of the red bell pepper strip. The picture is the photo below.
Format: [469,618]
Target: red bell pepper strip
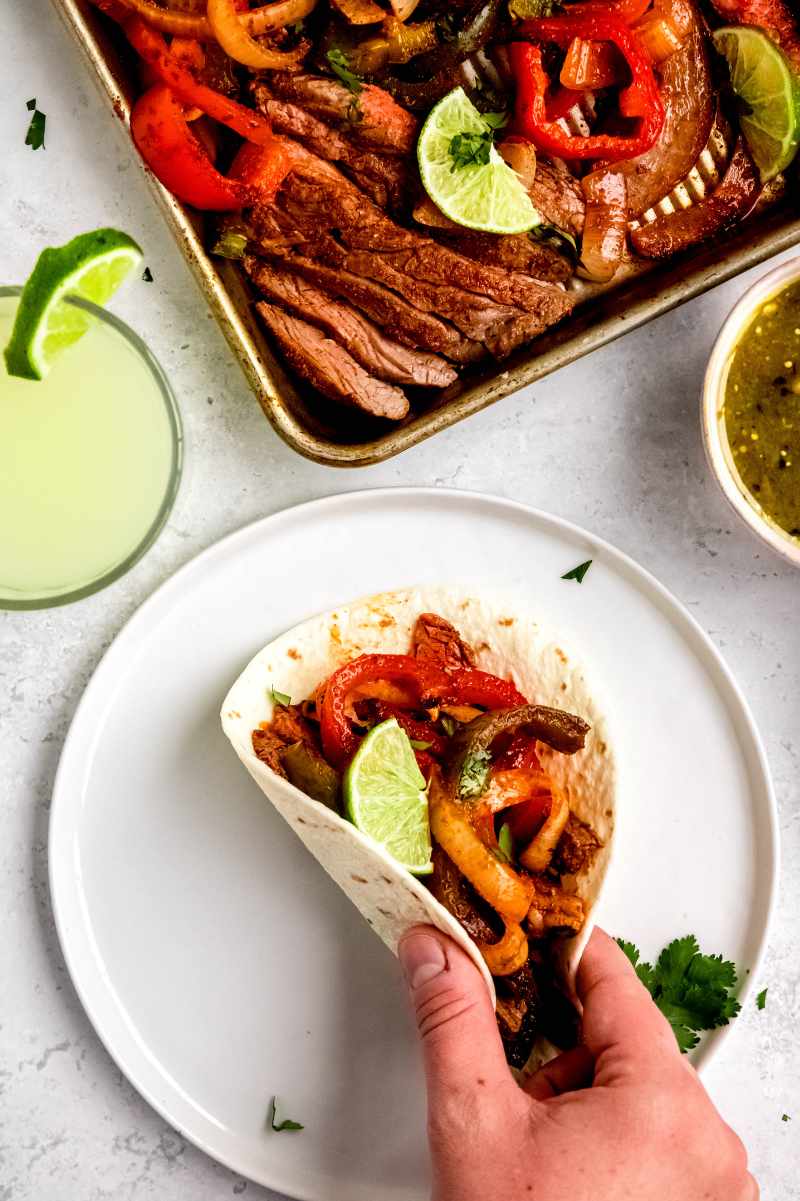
[418,731]
[641,96]
[520,752]
[175,156]
[468,686]
[525,819]
[339,739]
[262,169]
[150,44]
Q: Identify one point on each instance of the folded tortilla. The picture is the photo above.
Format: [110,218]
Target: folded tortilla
[505,643]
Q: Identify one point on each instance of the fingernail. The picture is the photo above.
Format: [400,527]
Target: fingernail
[422,958]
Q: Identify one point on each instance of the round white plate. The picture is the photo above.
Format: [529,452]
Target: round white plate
[219,964]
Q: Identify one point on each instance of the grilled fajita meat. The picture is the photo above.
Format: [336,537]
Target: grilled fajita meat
[374,120]
[329,367]
[399,319]
[381,356]
[558,197]
[383,177]
[435,640]
[319,190]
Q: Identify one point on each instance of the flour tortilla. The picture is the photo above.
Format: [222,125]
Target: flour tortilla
[506,644]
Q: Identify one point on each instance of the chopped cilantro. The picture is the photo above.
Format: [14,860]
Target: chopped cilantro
[35,135]
[505,843]
[470,149]
[761,999]
[692,990]
[420,746]
[577,573]
[785,1117]
[147,275]
[495,120]
[286,1124]
[340,65]
[474,774]
[298,27]
[280,698]
[448,724]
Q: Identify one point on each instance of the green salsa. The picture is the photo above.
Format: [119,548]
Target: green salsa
[762,408]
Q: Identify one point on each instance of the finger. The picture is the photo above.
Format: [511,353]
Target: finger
[461,1044]
[618,1012]
[571,1070]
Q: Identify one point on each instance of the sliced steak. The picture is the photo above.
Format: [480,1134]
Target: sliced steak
[329,368]
[436,641]
[558,197]
[513,252]
[279,239]
[372,117]
[383,177]
[320,192]
[381,356]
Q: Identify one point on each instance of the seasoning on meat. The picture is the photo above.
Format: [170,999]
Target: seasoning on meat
[329,368]
[437,641]
[379,122]
[577,848]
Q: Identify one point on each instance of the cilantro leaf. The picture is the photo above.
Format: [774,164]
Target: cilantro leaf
[505,843]
[286,1124]
[340,65]
[761,999]
[474,774]
[577,573]
[469,149]
[691,989]
[280,698]
[35,135]
[785,1117]
[420,746]
[147,275]
[495,120]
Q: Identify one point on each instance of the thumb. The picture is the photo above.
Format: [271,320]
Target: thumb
[622,1028]
[461,1044]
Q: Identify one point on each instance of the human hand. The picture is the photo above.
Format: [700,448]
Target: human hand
[623,1117]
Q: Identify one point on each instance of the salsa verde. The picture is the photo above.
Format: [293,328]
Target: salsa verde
[762,408]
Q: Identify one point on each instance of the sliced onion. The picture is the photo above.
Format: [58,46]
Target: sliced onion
[505,890]
[521,157]
[605,227]
[189,25]
[539,851]
[403,9]
[237,42]
[509,954]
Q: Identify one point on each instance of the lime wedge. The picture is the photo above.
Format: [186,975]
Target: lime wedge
[384,795]
[91,266]
[769,88]
[480,195]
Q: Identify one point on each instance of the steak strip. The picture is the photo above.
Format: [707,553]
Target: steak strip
[329,368]
[371,118]
[367,344]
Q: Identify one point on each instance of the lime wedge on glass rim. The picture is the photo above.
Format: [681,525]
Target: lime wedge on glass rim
[488,196]
[91,266]
[385,797]
[769,89]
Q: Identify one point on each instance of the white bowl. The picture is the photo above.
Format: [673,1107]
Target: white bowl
[715,437]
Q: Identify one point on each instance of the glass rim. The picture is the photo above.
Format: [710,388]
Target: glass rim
[173,482]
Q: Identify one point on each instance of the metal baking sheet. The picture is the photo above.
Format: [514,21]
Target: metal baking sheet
[346,439]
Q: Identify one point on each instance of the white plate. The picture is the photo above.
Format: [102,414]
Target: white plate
[218,963]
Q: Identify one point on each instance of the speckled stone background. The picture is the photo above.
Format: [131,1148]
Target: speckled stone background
[612,443]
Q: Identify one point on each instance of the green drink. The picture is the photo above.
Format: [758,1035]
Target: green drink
[90,460]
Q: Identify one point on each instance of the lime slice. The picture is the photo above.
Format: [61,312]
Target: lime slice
[384,795]
[480,195]
[763,79]
[91,266]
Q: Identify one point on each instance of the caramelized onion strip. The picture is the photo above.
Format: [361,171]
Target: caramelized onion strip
[507,956]
[191,25]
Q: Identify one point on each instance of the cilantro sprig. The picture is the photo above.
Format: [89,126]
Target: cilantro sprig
[692,990]
[286,1124]
[339,63]
[577,573]
[35,135]
[474,774]
[280,698]
[473,148]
